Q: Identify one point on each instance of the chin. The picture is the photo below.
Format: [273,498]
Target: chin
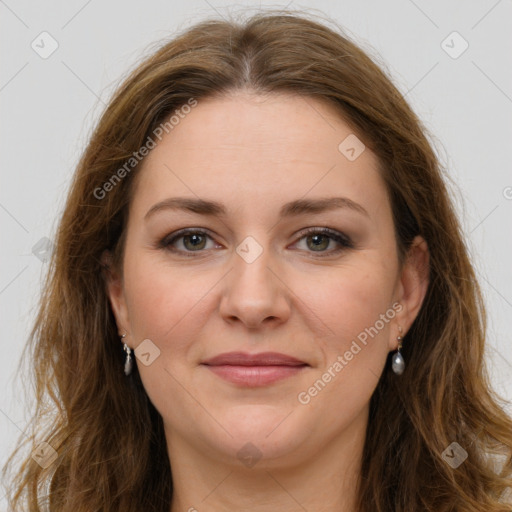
[270,435]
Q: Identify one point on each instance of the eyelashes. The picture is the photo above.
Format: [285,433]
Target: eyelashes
[343,241]
[197,236]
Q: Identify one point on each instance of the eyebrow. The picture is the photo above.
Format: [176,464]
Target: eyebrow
[293,208]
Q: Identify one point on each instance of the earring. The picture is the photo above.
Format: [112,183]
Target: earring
[128,363]
[397,361]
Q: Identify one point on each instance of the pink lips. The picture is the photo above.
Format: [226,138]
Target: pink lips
[253,370]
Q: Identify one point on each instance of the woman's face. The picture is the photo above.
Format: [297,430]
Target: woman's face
[247,277]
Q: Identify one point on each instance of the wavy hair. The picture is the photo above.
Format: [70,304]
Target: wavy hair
[109,439]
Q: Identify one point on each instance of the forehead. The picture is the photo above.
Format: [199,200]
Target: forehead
[243,123]
[251,150]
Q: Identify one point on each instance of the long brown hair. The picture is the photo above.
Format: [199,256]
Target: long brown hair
[109,439]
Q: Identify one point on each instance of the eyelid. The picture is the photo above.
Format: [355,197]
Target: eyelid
[166,241]
[343,240]
[339,236]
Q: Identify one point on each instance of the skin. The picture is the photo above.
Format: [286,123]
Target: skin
[254,153]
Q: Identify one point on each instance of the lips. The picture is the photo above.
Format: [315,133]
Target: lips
[261,359]
[254,370]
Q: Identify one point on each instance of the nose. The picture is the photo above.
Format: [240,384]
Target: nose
[253,293]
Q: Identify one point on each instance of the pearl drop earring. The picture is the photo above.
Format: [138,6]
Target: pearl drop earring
[128,363]
[397,361]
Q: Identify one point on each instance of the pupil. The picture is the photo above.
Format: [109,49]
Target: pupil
[316,240]
[194,240]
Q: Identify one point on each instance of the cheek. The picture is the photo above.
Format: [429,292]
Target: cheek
[356,304]
[350,299]
[161,302]
[175,308]
[357,309]
[167,309]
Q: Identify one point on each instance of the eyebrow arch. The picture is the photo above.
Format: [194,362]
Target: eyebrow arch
[293,208]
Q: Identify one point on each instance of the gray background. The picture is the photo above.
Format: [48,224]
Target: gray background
[49,106]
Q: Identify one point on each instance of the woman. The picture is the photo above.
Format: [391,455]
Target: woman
[261,298]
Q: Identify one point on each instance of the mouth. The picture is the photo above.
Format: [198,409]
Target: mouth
[254,370]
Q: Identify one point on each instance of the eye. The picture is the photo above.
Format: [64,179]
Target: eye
[192,240]
[319,239]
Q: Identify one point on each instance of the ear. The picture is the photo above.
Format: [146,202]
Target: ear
[413,283]
[115,292]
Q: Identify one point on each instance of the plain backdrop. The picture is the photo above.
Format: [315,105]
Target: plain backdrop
[62,60]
